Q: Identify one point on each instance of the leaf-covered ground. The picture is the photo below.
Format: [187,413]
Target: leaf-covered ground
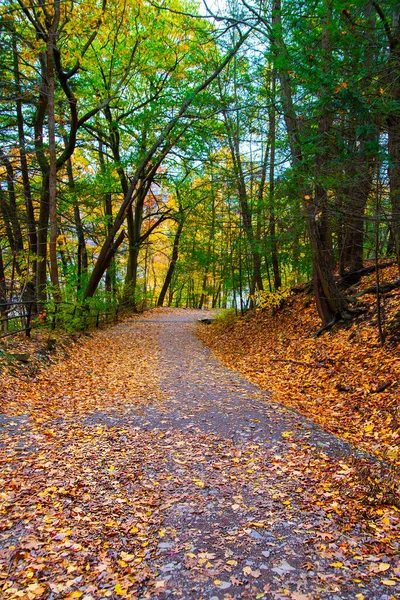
[343,380]
[141,467]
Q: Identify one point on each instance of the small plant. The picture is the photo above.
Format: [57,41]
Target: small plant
[226,317]
[273,300]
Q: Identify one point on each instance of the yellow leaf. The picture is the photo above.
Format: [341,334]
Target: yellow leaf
[199,483]
[119,590]
[127,557]
[247,570]
[336,564]
[383,566]
[286,434]
[217,581]
[388,581]
[360,596]
[122,563]
[369,427]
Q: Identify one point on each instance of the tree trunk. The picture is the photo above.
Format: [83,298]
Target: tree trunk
[30,215]
[11,207]
[272,217]
[50,80]
[245,210]
[81,257]
[392,31]
[330,301]
[110,273]
[174,259]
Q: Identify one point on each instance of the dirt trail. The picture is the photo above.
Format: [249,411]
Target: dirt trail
[206,490]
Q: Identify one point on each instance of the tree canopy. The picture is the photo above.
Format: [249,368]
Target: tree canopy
[159,153]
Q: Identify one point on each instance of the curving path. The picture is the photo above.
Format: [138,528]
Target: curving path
[199,489]
[251,506]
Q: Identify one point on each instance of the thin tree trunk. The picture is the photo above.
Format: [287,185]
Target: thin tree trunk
[11,207]
[172,264]
[50,79]
[110,272]
[82,256]
[392,30]
[30,215]
[272,217]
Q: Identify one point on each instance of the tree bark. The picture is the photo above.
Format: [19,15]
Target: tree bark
[16,241]
[172,264]
[272,216]
[331,303]
[30,215]
[82,256]
[52,181]
[392,31]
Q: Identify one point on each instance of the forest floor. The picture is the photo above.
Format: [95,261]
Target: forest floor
[343,380]
[137,465]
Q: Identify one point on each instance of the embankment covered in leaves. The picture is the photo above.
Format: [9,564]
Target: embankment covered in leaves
[344,380]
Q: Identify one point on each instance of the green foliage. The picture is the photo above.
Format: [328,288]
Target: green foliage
[226,317]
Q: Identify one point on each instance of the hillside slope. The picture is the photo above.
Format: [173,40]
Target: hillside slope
[343,380]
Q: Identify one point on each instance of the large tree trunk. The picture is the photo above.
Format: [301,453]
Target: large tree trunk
[331,303]
[43,222]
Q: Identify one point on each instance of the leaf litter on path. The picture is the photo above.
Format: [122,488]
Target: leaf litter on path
[150,485]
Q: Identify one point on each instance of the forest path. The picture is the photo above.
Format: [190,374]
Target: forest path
[189,483]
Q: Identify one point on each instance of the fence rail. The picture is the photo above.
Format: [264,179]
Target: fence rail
[23,316]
